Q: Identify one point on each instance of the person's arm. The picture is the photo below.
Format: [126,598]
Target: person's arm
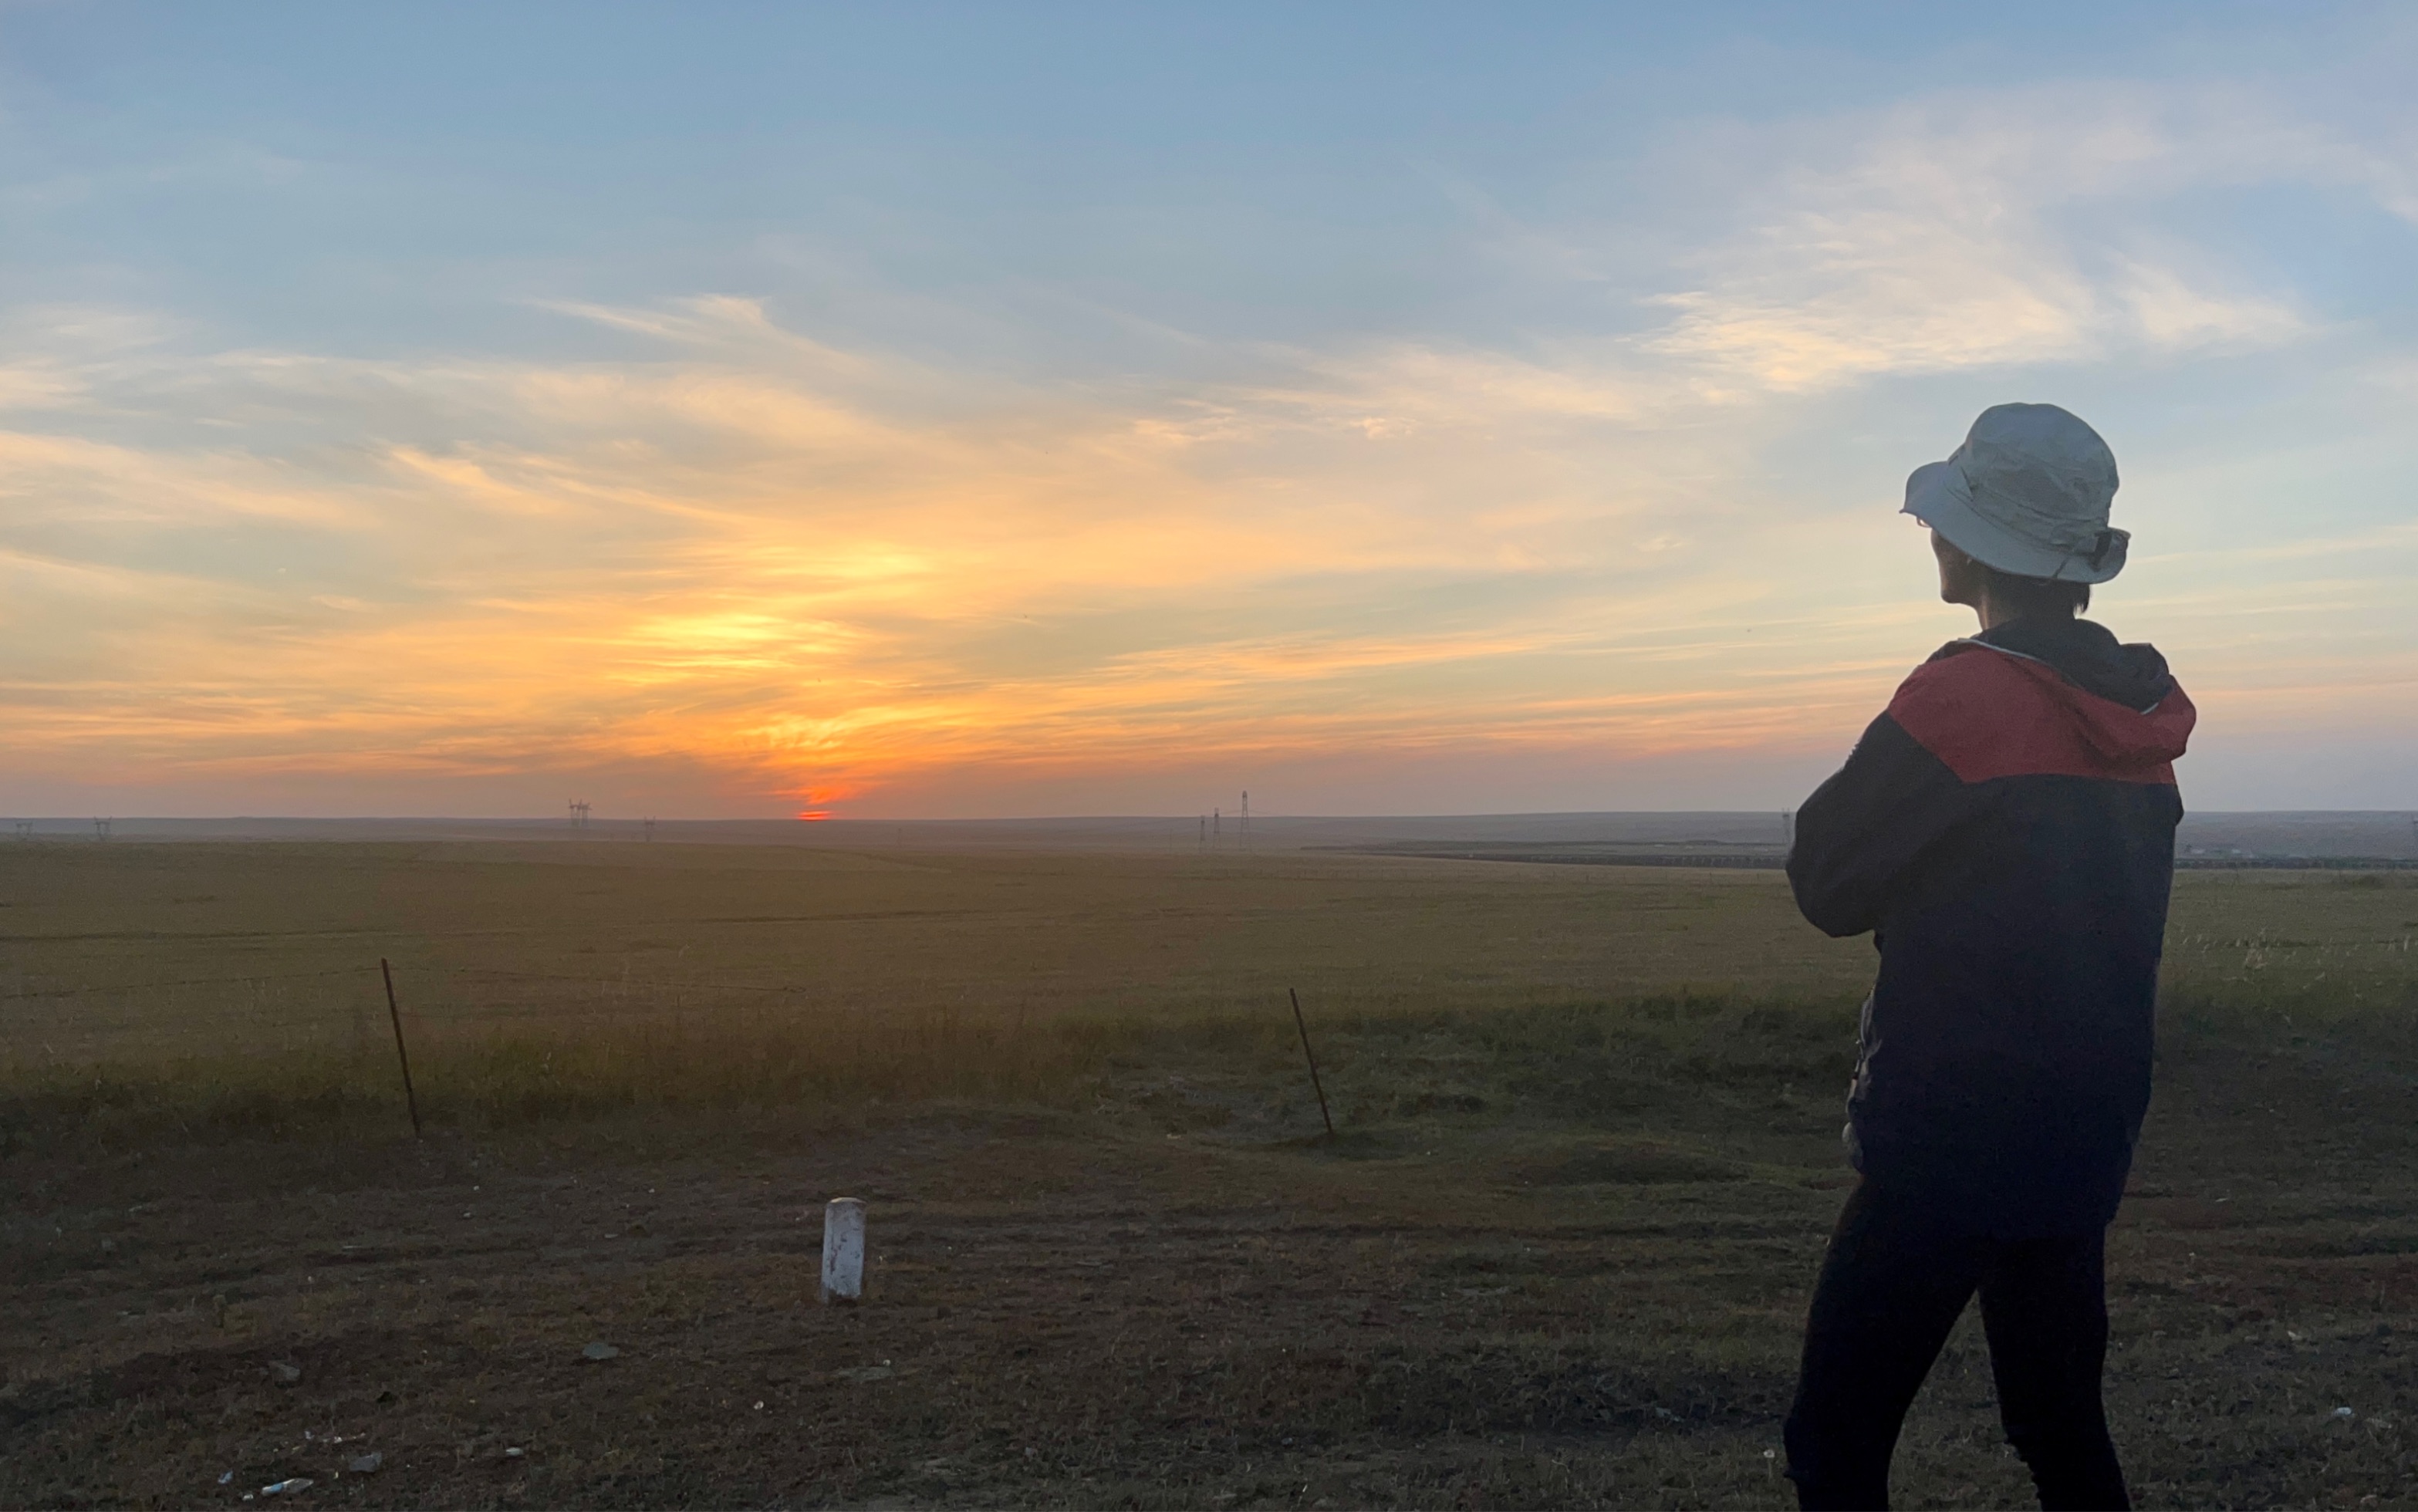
[1863,830]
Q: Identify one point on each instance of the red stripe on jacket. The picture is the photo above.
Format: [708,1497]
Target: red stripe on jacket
[1990,713]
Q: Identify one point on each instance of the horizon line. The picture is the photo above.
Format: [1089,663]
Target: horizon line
[820,820]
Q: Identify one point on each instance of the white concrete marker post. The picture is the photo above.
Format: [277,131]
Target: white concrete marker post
[843,1251]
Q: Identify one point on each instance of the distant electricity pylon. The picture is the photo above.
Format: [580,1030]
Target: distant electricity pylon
[1205,831]
[1217,824]
[1247,818]
[579,813]
[100,829]
[1787,827]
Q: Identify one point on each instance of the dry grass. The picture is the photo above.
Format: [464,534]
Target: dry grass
[496,933]
[235,988]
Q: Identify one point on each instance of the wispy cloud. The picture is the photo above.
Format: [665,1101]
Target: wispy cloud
[814,568]
[1996,229]
[816,571]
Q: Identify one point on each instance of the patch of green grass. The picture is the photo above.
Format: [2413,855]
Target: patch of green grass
[1562,1060]
[1745,1077]
[482,1076]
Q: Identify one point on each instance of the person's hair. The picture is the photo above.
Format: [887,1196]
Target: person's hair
[2035,597]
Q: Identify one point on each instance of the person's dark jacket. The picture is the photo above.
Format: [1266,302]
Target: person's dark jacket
[2005,830]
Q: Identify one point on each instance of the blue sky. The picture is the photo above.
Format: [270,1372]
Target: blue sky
[735,409]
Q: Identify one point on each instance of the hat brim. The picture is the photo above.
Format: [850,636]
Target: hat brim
[1937,495]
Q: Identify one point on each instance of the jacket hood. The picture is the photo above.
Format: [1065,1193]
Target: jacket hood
[2123,700]
[2088,656]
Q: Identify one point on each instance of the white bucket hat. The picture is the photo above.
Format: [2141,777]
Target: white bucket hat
[2028,494]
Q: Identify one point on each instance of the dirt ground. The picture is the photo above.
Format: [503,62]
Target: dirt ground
[1092,1312]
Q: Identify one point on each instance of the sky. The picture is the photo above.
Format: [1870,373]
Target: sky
[721,411]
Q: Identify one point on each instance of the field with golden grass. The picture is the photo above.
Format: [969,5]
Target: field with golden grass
[1558,1254]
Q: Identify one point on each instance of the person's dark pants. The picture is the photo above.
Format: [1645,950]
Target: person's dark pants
[1892,1285]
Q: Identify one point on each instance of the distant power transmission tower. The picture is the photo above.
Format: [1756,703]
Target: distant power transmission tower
[1788,827]
[1217,824]
[579,813]
[1204,831]
[100,829]
[1247,818]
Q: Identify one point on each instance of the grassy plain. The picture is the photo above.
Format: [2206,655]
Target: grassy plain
[1558,1256]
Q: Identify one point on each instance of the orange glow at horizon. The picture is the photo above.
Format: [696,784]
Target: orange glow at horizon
[769,575]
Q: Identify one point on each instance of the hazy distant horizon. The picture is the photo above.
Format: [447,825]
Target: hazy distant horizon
[2382,833]
[598,818]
